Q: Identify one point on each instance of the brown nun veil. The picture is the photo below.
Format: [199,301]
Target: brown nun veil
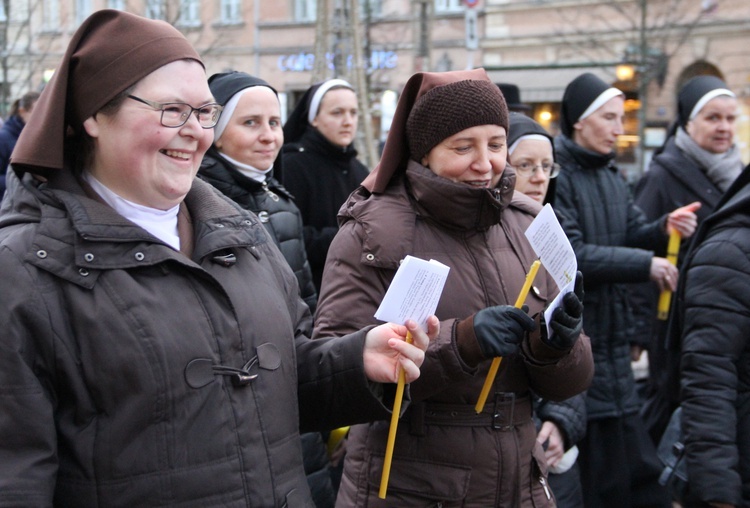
[396,152]
[111,51]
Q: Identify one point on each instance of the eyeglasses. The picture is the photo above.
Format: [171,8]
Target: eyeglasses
[176,114]
[550,169]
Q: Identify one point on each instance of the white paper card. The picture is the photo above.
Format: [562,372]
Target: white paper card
[414,292]
[550,243]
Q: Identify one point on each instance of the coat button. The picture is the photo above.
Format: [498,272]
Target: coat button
[89,257]
[41,254]
[83,272]
[139,256]
[263,216]
[370,257]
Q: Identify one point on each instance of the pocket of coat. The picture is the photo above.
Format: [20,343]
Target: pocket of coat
[541,493]
[429,480]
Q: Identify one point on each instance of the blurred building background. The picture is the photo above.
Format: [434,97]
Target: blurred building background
[647,48]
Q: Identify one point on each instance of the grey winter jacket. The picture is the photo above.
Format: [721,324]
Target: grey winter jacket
[133,375]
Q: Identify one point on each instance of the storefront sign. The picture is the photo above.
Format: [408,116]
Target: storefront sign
[304,62]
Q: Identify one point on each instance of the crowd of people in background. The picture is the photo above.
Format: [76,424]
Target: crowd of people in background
[195,282]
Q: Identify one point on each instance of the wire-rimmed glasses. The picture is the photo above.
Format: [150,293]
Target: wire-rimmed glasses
[550,169]
[176,114]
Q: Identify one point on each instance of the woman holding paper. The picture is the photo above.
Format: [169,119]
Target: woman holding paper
[697,163]
[442,191]
[155,350]
[561,424]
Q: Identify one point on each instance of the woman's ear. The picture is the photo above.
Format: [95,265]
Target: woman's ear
[91,126]
[424,162]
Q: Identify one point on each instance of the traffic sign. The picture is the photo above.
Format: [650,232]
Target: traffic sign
[471,3]
[472,36]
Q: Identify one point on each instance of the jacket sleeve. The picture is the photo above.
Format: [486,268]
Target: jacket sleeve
[651,197]
[569,415]
[352,292]
[28,442]
[715,334]
[599,262]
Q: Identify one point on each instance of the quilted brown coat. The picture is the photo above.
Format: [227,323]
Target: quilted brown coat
[445,452]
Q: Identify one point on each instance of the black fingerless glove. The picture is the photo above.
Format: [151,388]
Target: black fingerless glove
[567,320]
[499,330]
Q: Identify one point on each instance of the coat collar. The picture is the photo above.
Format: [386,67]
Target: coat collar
[78,237]
[455,205]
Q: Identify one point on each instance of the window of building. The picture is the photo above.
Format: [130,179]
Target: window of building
[230,11]
[50,15]
[375,6]
[155,9]
[116,4]
[448,6]
[305,10]
[190,12]
[83,9]
[3,16]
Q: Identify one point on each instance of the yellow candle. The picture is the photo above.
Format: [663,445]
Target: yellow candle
[490,379]
[392,431]
[665,298]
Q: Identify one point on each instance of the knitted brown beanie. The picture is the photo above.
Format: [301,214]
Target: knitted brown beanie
[448,109]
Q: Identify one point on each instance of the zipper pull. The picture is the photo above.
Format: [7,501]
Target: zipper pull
[271,194]
[543,481]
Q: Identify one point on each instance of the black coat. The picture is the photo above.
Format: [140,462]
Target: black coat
[609,235]
[712,317]
[672,180]
[320,176]
[9,133]
[275,208]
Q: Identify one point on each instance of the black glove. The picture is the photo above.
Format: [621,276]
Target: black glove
[500,329]
[567,320]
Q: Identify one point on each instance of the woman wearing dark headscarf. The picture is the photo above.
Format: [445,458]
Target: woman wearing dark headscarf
[698,162]
[561,424]
[442,191]
[320,163]
[244,163]
[154,348]
[614,246]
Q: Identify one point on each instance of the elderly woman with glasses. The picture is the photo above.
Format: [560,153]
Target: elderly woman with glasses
[155,350]
[531,154]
